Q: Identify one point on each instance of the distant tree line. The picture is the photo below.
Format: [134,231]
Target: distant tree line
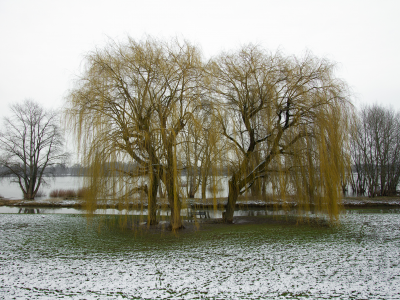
[375,151]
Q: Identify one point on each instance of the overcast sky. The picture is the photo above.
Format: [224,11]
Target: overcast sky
[43,42]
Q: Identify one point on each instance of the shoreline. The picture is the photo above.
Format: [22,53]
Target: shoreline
[349,202]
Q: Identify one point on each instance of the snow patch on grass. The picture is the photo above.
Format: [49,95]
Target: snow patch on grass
[60,256]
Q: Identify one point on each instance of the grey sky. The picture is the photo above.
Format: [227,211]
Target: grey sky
[43,42]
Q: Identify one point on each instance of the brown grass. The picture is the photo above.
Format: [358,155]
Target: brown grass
[61,193]
[80,193]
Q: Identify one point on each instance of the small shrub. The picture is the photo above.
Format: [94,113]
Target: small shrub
[63,193]
[80,193]
[67,193]
[54,194]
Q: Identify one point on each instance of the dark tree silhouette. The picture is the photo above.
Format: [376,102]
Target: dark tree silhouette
[31,144]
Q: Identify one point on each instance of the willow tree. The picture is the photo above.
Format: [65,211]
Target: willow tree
[131,105]
[203,152]
[192,153]
[289,115]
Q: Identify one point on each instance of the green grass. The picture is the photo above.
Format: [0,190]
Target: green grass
[66,234]
[104,234]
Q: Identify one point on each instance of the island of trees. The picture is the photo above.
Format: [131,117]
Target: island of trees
[151,117]
[159,106]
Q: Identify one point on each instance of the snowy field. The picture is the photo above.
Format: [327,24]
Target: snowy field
[59,256]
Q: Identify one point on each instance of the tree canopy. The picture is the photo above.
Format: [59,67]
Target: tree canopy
[132,104]
[286,118]
[160,108]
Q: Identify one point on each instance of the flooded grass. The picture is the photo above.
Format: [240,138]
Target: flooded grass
[55,256]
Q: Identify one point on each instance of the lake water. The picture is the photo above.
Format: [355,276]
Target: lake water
[47,256]
[211,213]
[11,190]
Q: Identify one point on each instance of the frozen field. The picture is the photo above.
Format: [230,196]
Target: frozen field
[59,256]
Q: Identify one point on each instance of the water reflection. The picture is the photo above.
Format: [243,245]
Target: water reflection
[25,210]
[211,213]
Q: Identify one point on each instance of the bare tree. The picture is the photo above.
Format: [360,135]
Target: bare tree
[375,151]
[31,143]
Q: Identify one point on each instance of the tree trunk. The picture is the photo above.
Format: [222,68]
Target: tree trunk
[173,195]
[152,200]
[264,188]
[176,222]
[175,205]
[256,186]
[235,185]
[29,193]
[232,198]
[29,196]
[203,187]
[191,184]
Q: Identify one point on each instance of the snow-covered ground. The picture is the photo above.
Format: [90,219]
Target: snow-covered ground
[60,256]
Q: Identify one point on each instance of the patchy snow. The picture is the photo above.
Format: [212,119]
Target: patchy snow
[371,202]
[59,256]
